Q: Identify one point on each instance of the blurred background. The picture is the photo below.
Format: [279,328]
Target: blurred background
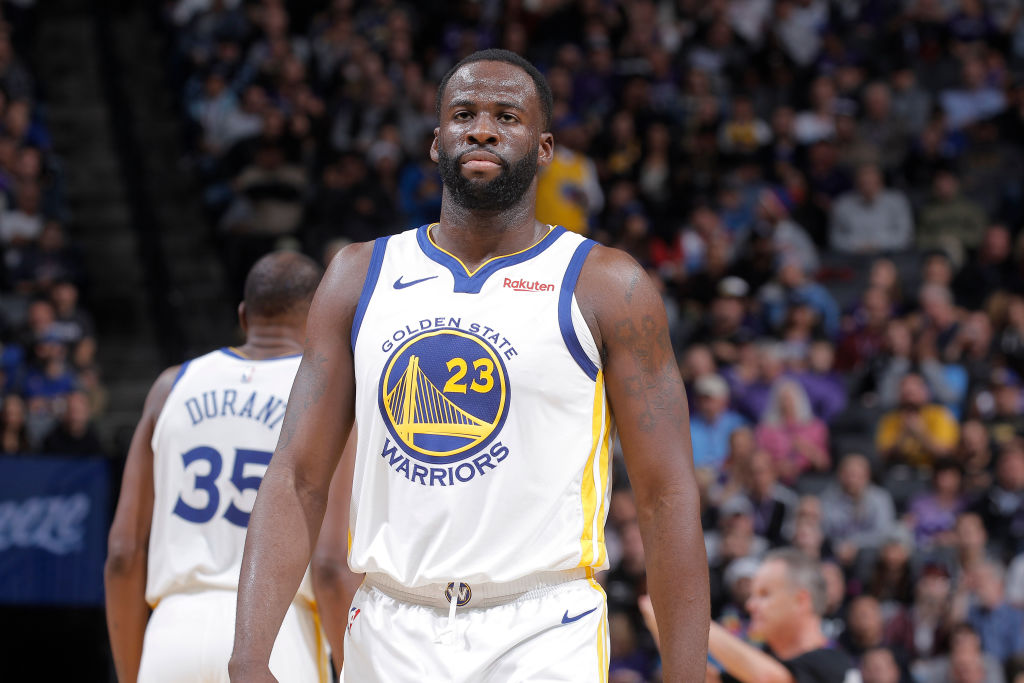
[828,193]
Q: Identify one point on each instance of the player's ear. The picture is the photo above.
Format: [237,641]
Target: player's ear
[242,319]
[433,145]
[545,149]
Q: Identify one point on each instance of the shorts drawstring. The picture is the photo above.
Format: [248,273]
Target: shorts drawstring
[447,634]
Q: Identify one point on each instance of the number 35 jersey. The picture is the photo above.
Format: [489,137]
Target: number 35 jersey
[483,427]
[211,447]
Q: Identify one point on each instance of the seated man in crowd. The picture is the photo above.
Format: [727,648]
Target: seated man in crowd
[856,514]
[918,431]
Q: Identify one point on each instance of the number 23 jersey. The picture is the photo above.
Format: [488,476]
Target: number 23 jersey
[211,446]
[483,427]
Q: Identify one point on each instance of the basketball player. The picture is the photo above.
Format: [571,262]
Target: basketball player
[484,362]
[206,435]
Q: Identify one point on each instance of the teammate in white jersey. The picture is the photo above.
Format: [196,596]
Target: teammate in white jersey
[483,363]
[207,433]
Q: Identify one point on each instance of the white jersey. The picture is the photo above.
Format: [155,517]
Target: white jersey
[483,424]
[211,446]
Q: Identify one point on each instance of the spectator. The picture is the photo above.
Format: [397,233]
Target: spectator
[917,432]
[726,326]
[1015,582]
[933,515]
[773,505]
[568,192]
[1009,341]
[900,358]
[878,665]
[796,440]
[818,123]
[713,423]
[825,387]
[974,454]
[75,434]
[971,544]
[911,103]
[949,220]
[940,322]
[882,128]
[991,270]
[871,219]
[1002,506]
[856,514]
[892,579]
[867,629]
[999,624]
[743,134]
[13,428]
[792,287]
[864,331]
[788,241]
[268,206]
[1004,419]
[975,100]
[930,614]
[51,378]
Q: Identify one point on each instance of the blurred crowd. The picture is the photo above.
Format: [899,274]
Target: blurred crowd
[49,379]
[830,194]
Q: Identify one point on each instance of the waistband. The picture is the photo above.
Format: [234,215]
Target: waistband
[476,594]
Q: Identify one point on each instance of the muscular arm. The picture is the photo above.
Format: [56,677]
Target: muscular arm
[290,505]
[333,582]
[745,662]
[124,574]
[648,402]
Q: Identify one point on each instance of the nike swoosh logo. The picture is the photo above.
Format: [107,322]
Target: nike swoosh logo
[402,285]
[566,619]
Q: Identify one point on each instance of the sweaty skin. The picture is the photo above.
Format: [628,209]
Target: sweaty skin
[489,108]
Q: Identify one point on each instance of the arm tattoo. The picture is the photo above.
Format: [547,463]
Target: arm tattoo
[632,285]
[654,382]
[310,386]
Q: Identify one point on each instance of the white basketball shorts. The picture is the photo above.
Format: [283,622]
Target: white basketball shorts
[557,631]
[189,638]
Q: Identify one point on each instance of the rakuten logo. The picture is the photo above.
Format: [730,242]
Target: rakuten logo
[53,523]
[524,286]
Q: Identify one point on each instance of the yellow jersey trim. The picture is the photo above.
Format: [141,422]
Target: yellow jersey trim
[469,272]
[589,493]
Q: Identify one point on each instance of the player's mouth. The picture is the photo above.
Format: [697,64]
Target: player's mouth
[485,162]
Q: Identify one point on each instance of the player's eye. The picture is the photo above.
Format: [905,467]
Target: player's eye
[461,116]
[507,118]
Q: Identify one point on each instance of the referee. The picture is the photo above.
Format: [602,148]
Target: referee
[786,602]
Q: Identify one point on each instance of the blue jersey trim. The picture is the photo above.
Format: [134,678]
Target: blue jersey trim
[228,351]
[572,342]
[372,275]
[181,373]
[471,283]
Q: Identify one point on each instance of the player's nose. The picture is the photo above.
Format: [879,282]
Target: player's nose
[484,131]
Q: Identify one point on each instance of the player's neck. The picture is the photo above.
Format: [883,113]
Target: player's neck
[270,341]
[476,236]
[802,637]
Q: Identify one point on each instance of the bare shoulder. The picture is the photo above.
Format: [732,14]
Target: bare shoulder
[160,390]
[343,281]
[612,287]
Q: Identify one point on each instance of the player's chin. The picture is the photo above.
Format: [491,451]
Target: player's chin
[480,177]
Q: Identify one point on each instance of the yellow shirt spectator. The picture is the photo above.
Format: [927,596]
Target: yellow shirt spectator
[917,436]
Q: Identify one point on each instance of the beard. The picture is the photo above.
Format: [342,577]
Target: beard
[493,195]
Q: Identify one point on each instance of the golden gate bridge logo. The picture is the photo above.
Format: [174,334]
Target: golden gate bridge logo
[444,394]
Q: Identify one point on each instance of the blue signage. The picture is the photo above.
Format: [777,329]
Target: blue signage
[54,515]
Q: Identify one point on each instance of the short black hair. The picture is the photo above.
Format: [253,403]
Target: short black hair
[281,283]
[508,57]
